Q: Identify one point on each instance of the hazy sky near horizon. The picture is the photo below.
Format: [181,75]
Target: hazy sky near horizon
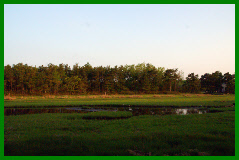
[197,38]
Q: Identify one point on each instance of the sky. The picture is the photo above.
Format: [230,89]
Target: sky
[195,38]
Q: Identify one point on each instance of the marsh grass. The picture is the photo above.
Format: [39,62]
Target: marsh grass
[107,115]
[183,100]
[68,134]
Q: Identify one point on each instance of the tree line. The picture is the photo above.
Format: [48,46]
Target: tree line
[129,79]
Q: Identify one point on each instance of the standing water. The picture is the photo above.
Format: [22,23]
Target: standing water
[136,111]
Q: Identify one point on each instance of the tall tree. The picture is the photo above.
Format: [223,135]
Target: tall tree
[19,74]
[30,78]
[212,83]
[229,80]
[42,81]
[121,80]
[140,78]
[217,80]
[62,77]
[192,83]
[74,85]
[170,77]
[8,79]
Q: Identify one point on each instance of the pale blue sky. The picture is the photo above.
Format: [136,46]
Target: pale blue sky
[193,38]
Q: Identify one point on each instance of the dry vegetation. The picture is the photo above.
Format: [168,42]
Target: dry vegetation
[49,96]
[116,96]
[8,97]
[162,96]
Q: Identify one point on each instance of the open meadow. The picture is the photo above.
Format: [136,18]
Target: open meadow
[180,100]
[121,133]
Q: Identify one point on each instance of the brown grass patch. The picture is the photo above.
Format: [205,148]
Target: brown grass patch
[114,96]
[120,96]
[49,96]
[89,96]
[157,96]
[63,97]
[92,97]
[162,96]
[9,98]
[135,96]
[31,97]
[105,96]
[202,95]
[187,95]
[81,97]
[168,95]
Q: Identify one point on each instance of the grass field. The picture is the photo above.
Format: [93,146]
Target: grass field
[70,134]
[90,134]
[105,115]
[143,100]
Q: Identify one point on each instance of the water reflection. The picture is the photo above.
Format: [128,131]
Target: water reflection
[17,111]
[190,111]
[135,110]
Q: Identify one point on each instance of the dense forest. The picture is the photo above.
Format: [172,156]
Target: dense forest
[143,78]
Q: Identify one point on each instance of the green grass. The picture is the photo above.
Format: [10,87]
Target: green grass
[107,115]
[181,100]
[70,134]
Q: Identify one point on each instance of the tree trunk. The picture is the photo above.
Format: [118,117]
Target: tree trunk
[11,85]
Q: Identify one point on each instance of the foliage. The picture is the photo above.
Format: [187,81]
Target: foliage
[229,81]
[129,79]
[213,83]
[171,76]
[74,84]
[192,84]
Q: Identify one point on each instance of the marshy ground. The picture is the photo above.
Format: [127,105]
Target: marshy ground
[209,134]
